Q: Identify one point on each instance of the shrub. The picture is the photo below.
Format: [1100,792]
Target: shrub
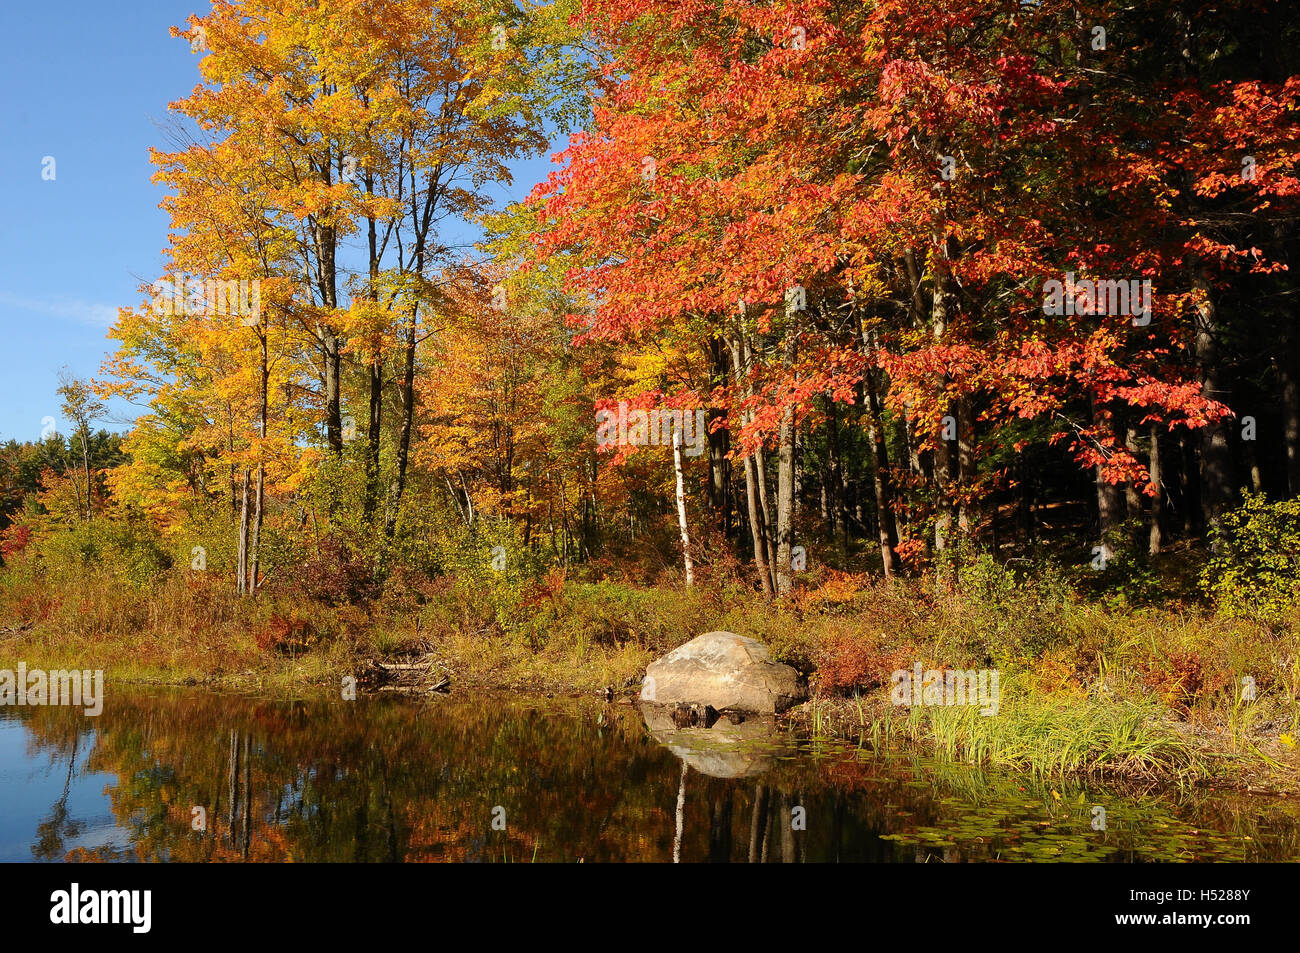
[1000,616]
[286,634]
[330,575]
[128,550]
[13,540]
[848,662]
[1178,681]
[1255,565]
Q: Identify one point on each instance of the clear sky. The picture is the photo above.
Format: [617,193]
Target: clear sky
[87,83]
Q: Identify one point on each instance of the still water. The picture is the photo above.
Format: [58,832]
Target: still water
[193,776]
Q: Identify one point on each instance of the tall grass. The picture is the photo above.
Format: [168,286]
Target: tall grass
[1059,736]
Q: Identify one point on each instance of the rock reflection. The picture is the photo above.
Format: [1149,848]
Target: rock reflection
[731,748]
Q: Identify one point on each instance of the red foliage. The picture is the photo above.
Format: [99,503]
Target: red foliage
[287,635]
[1179,682]
[848,662]
[692,192]
[34,608]
[14,539]
[332,576]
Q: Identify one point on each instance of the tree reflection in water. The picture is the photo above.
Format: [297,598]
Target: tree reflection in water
[396,779]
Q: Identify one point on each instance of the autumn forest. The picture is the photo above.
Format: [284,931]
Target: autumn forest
[887,332]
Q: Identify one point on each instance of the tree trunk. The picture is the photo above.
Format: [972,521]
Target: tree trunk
[967,513]
[839,512]
[681,506]
[259,490]
[945,454]
[1252,465]
[1188,483]
[944,460]
[719,444]
[372,437]
[797,495]
[1290,392]
[785,481]
[757,529]
[404,427]
[1025,502]
[85,462]
[760,473]
[326,241]
[1132,497]
[1109,513]
[888,529]
[423,220]
[376,371]
[756,525]
[241,563]
[255,544]
[1216,450]
[1110,502]
[1156,536]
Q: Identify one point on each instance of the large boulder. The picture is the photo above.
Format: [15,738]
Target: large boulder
[725,670]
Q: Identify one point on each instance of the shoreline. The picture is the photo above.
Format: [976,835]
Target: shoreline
[1152,692]
[869,719]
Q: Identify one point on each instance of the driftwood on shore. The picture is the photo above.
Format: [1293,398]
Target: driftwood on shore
[424,676]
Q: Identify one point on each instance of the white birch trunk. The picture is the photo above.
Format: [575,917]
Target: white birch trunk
[681,506]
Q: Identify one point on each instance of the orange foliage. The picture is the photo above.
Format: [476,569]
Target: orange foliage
[287,635]
[1178,684]
[856,662]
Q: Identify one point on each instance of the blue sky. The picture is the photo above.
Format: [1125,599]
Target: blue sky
[86,83]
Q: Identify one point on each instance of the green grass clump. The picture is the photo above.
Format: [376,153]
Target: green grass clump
[1061,735]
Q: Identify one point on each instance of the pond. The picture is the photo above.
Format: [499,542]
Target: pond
[187,775]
